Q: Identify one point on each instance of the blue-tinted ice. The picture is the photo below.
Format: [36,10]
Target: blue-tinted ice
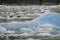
[48,17]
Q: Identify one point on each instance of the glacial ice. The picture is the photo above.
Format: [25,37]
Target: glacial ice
[48,19]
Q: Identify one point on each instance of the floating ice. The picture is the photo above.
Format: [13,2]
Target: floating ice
[51,18]
[27,30]
[2,29]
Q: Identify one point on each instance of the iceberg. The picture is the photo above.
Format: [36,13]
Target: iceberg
[51,18]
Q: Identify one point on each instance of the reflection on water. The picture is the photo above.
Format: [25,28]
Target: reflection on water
[34,39]
[28,39]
